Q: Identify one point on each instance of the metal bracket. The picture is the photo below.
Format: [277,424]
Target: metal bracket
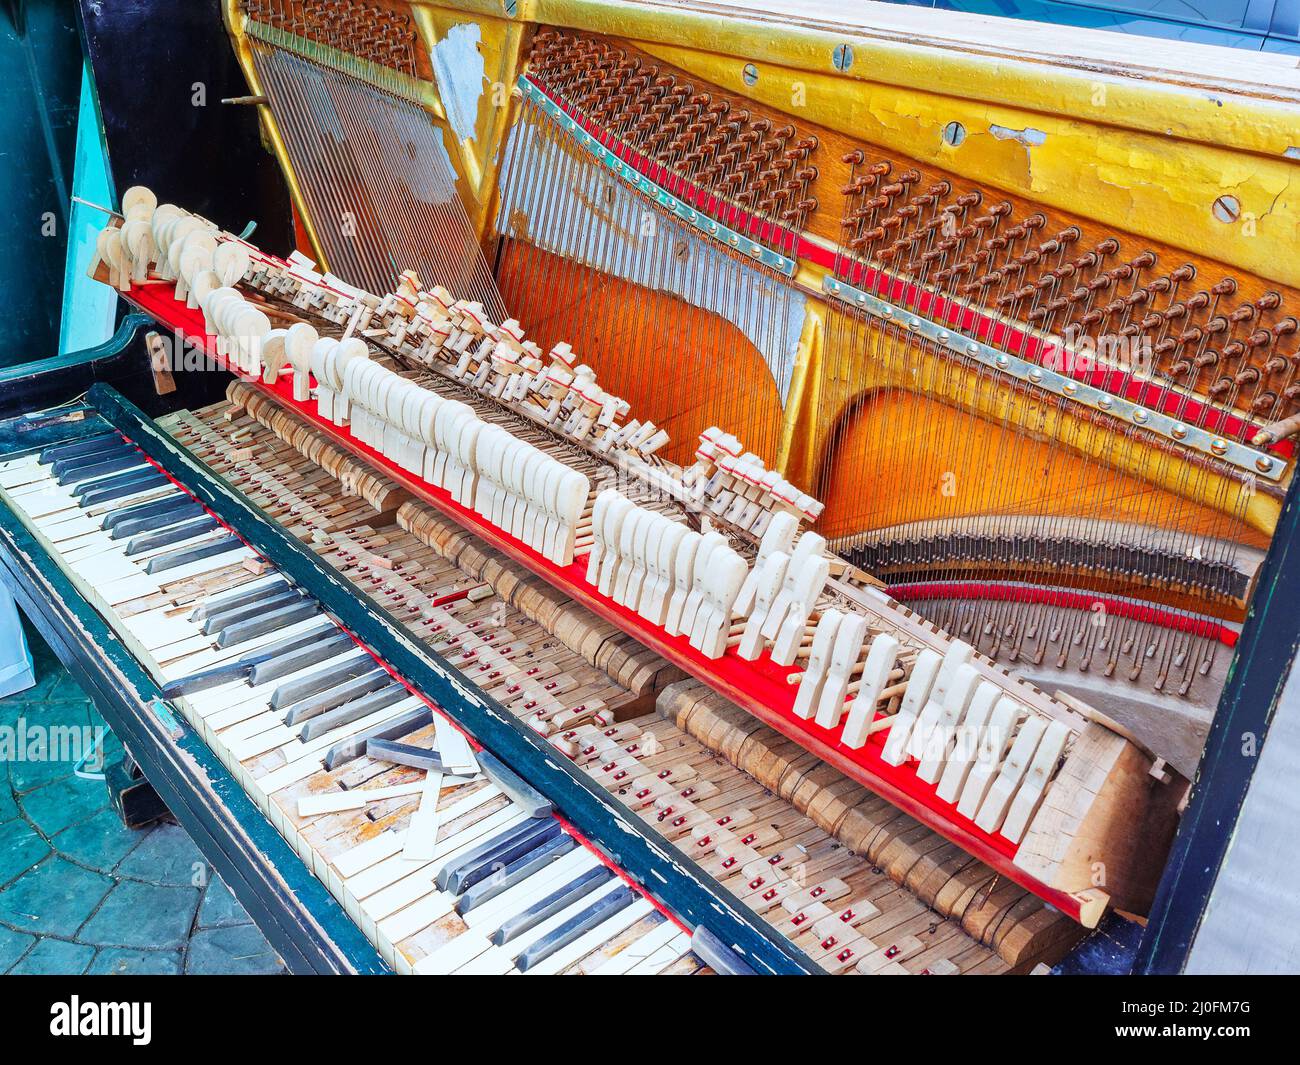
[1247,459]
[710,227]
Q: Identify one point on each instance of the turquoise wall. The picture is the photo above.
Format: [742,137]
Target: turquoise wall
[40,94]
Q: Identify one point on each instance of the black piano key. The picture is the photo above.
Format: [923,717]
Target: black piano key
[242,667]
[523,794]
[544,908]
[298,712]
[576,926]
[407,754]
[268,622]
[292,644]
[74,464]
[515,873]
[717,955]
[156,522]
[283,597]
[282,665]
[166,505]
[186,555]
[292,691]
[85,446]
[207,678]
[91,471]
[475,867]
[447,874]
[403,724]
[173,534]
[352,711]
[93,493]
[239,597]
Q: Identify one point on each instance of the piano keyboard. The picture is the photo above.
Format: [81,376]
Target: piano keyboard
[445,869]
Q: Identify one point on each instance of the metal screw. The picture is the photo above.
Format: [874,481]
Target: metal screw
[1263,465]
[749,74]
[842,57]
[953,134]
[1227,209]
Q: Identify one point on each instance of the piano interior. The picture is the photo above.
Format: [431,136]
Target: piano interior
[818,461]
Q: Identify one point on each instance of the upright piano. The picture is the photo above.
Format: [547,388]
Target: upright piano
[707,487]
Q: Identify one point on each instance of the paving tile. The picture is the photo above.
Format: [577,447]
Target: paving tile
[55,957]
[58,706]
[166,856]
[12,946]
[54,807]
[65,688]
[26,776]
[241,950]
[99,843]
[47,672]
[143,915]
[54,898]
[220,908]
[21,847]
[89,921]
[117,961]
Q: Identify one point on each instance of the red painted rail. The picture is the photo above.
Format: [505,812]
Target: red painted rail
[759,687]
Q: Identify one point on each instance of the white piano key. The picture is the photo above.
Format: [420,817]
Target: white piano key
[181,648]
[366,854]
[105,568]
[43,500]
[356,798]
[590,941]
[22,471]
[429,908]
[119,592]
[638,951]
[422,831]
[665,956]
[492,962]
[63,534]
[451,956]
[454,748]
[204,565]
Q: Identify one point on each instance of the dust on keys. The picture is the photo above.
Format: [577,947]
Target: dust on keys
[446,865]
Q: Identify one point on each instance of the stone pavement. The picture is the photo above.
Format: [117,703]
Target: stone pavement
[80,892]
